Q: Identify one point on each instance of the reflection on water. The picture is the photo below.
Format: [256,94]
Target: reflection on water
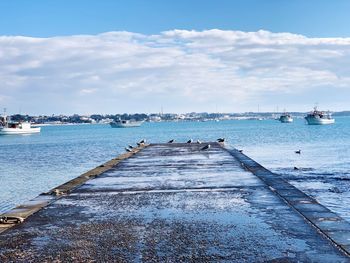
[33,164]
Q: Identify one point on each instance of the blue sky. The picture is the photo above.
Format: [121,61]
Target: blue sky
[42,18]
[136,56]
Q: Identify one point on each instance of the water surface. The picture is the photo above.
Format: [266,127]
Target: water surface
[32,164]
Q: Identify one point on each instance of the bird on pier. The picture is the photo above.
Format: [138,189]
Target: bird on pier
[190,141]
[171,141]
[130,146]
[207,147]
[143,141]
[199,142]
[240,151]
[127,149]
[221,140]
[298,152]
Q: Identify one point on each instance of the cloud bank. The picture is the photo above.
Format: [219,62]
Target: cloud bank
[180,70]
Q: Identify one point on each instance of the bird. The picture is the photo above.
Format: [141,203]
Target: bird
[221,140]
[139,144]
[206,147]
[199,142]
[190,141]
[131,147]
[240,151]
[296,168]
[298,152]
[142,141]
[171,141]
[127,149]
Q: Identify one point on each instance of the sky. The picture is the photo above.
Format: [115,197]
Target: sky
[84,56]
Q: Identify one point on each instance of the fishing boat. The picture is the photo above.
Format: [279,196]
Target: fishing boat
[8,127]
[286,118]
[317,117]
[125,123]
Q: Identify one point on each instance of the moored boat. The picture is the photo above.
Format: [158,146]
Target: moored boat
[8,127]
[125,123]
[317,117]
[286,118]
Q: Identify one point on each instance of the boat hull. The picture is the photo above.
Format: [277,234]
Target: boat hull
[285,119]
[15,131]
[125,125]
[319,121]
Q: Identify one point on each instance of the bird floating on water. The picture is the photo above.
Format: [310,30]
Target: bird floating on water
[190,141]
[221,140]
[206,147]
[171,141]
[298,152]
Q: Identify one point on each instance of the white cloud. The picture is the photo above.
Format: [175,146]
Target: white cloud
[179,69]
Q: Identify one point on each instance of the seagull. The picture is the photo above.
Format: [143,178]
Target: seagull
[128,150]
[298,152]
[171,141]
[240,151]
[199,142]
[142,141]
[131,147]
[296,168]
[221,140]
[206,147]
[190,141]
[139,144]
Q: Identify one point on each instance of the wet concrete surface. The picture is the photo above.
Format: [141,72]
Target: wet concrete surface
[170,203]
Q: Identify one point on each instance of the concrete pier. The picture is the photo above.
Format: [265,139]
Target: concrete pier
[176,203]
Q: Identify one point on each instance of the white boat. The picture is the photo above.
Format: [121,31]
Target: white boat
[7,127]
[286,118]
[317,117]
[125,124]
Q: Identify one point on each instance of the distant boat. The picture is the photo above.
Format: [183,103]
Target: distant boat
[7,127]
[285,118]
[125,123]
[317,117]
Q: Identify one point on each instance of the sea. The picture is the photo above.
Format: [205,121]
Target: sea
[33,164]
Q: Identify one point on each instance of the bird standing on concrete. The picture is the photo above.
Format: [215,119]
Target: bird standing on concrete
[130,146]
[298,152]
[127,149]
[221,140]
[199,142]
[207,147]
[171,141]
[142,141]
[190,141]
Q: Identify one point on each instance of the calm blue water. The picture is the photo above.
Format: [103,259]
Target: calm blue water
[32,164]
